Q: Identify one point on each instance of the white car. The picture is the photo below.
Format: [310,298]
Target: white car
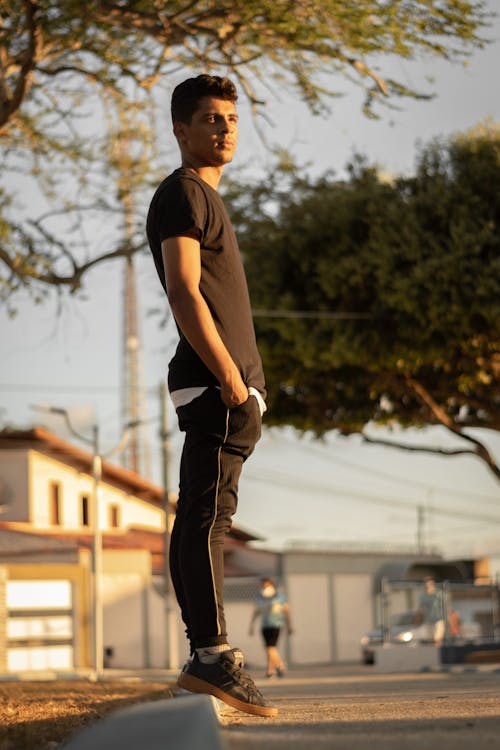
[404,629]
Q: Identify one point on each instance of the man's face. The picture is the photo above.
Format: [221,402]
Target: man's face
[209,140]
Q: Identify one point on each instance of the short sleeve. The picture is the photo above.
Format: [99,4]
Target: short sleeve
[181,210]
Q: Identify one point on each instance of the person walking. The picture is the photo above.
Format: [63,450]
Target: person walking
[215,378]
[272,608]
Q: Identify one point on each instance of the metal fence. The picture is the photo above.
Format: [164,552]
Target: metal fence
[474,607]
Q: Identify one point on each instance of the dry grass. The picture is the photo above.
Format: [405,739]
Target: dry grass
[40,715]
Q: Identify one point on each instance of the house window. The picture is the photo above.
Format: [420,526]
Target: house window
[55,504]
[85,510]
[114,516]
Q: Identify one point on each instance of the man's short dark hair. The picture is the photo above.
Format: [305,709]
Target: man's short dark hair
[186,96]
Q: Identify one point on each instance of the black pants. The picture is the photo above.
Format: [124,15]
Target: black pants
[271,636]
[218,440]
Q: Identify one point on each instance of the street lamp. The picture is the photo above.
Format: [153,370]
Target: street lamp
[96,580]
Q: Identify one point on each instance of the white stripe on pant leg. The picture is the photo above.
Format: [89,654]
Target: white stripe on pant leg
[214,520]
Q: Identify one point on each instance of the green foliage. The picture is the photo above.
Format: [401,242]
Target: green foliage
[411,269]
[73,74]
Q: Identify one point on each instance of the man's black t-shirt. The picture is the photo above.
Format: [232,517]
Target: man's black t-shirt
[185,205]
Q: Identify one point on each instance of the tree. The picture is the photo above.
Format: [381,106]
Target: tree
[379,301]
[66,66]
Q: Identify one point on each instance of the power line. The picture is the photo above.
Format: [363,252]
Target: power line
[27,388]
[316,450]
[293,483]
[34,387]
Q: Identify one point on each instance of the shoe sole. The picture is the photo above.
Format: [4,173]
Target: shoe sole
[196,685]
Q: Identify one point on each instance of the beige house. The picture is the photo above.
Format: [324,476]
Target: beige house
[46,534]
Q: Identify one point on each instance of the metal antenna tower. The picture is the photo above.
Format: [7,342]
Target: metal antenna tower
[129,161]
[137,455]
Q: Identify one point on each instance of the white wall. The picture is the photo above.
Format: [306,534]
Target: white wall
[44,471]
[309,602]
[238,615]
[74,484]
[494,565]
[124,618]
[157,629]
[14,485]
[352,610]
[134,512]
[126,583]
[134,613]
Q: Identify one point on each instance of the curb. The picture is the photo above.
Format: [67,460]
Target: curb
[183,723]
[463,669]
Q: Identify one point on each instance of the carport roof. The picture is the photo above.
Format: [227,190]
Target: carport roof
[17,543]
[417,568]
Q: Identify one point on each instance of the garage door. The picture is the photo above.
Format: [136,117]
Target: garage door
[40,631]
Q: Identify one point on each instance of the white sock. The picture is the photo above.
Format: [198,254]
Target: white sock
[211,654]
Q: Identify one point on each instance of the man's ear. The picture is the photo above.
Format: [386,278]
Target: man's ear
[179,131]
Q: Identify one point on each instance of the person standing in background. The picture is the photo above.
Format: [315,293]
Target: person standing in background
[431,610]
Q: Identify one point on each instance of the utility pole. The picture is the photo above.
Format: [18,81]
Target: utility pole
[420,529]
[97,613]
[170,606]
[129,161]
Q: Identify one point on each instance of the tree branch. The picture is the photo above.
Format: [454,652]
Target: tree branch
[21,269]
[480,450]
[438,411]
[364,70]
[486,458]
[418,448]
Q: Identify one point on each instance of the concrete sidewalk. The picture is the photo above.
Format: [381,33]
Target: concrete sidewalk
[356,709]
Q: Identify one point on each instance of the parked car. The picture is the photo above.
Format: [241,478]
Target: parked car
[404,629]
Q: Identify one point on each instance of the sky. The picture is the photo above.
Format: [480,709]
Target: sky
[294,491]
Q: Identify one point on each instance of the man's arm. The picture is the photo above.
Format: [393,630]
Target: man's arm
[182,264]
[255,616]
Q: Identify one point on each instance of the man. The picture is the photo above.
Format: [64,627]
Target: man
[215,378]
[431,610]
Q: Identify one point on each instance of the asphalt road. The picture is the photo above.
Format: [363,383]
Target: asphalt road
[357,709]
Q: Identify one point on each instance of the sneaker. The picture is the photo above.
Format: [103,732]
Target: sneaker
[183,669]
[227,680]
[187,663]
